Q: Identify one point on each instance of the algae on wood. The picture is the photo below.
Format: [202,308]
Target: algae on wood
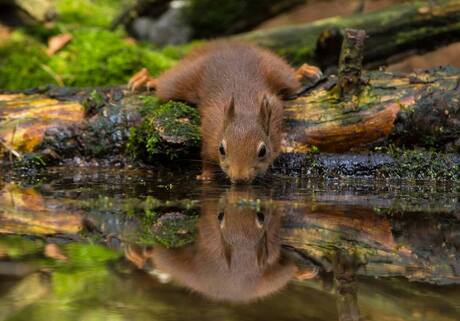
[406,110]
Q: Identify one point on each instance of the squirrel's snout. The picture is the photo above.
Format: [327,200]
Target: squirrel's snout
[240,176]
[241,180]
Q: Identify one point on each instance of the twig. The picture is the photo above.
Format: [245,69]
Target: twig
[351,62]
[55,76]
[10,149]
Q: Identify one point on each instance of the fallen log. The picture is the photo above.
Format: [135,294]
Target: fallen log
[405,110]
[359,111]
[394,33]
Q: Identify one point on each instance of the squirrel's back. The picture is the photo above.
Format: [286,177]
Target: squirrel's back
[222,68]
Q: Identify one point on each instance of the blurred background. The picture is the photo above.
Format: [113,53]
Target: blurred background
[103,42]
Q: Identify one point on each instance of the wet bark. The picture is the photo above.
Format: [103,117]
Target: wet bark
[394,33]
[405,110]
[351,63]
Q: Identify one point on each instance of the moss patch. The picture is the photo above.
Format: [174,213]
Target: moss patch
[89,12]
[171,230]
[23,64]
[170,129]
[420,164]
[94,57]
[392,164]
[210,18]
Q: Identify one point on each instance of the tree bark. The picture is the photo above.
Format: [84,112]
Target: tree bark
[394,33]
[406,110]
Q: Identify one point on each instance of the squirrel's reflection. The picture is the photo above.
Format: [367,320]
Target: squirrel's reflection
[236,256]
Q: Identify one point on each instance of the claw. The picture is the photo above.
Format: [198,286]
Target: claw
[309,74]
[204,177]
[140,80]
[138,256]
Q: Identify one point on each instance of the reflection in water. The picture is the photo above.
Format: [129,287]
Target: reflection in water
[61,252]
[236,255]
[345,267]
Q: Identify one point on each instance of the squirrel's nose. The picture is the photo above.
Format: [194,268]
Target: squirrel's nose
[240,180]
[240,177]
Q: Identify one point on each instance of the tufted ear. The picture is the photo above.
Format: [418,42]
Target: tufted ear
[229,113]
[227,254]
[265,113]
[262,251]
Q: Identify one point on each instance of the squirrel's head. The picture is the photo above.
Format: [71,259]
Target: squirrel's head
[250,142]
[248,231]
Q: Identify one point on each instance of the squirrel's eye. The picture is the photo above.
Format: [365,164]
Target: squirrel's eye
[220,217]
[222,149]
[260,217]
[262,151]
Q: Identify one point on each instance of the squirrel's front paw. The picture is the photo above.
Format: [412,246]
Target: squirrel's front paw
[205,176]
[142,80]
[138,256]
[309,74]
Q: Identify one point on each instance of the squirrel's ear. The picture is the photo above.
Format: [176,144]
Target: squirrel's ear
[265,113]
[262,251]
[229,112]
[227,254]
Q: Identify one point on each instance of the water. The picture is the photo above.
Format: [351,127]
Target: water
[80,244]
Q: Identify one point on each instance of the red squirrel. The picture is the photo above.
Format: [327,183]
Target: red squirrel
[237,254]
[238,89]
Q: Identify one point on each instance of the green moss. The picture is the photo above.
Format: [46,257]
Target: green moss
[93,58]
[97,57]
[255,204]
[166,130]
[210,18]
[170,232]
[94,101]
[422,164]
[16,246]
[23,64]
[171,223]
[178,52]
[88,12]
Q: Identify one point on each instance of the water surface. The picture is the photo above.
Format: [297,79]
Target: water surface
[81,244]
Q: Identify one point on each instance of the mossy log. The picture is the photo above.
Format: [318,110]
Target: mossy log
[106,125]
[394,32]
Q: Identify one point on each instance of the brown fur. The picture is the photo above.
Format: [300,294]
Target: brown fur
[235,258]
[238,89]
